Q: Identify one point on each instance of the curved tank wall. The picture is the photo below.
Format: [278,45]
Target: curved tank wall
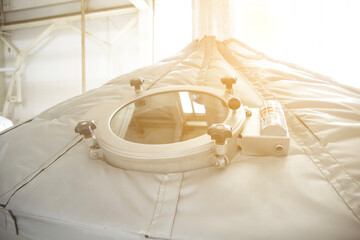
[51,189]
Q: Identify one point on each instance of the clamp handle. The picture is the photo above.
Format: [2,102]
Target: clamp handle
[228,81]
[85,128]
[219,132]
[137,83]
[234,103]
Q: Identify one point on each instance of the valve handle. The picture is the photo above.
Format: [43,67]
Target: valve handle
[85,128]
[228,81]
[234,103]
[220,132]
[137,83]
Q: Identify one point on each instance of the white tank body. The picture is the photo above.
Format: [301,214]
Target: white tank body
[50,188]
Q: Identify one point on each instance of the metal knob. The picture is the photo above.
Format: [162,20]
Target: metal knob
[228,81]
[248,111]
[234,103]
[137,83]
[220,132]
[85,128]
[220,162]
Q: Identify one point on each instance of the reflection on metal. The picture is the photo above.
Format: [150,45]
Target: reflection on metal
[185,102]
[120,122]
[168,117]
[189,104]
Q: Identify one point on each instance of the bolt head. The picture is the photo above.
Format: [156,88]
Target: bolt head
[279,147]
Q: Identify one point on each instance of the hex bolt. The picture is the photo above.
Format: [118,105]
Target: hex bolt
[220,163]
[96,153]
[279,147]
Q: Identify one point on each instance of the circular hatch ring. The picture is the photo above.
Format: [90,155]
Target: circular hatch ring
[179,156]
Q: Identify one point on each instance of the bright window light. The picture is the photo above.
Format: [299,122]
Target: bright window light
[172,27]
[199,108]
[186,102]
[321,35]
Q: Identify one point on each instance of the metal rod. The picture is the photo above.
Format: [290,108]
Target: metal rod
[91,36]
[83,46]
[7,69]
[153,34]
[15,78]
[109,45]
[89,15]
[9,44]
[27,5]
[2,13]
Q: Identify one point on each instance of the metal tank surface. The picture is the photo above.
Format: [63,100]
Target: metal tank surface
[217,142]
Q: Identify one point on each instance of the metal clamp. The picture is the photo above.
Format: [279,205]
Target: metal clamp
[85,128]
[220,133]
[228,81]
[137,83]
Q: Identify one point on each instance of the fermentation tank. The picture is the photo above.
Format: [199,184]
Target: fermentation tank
[219,141]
